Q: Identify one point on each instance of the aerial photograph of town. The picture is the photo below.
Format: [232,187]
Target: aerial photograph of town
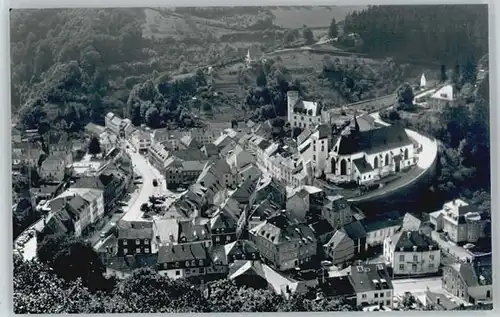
[250,159]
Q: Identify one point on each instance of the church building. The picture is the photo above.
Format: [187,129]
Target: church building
[365,156]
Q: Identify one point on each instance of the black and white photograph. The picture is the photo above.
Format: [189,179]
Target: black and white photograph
[250,159]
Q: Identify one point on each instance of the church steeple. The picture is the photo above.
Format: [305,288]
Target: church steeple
[356,124]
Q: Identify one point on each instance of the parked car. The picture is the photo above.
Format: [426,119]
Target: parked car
[155,182]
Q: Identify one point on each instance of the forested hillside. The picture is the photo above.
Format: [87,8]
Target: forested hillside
[441,33]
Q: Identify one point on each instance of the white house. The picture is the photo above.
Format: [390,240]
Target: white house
[441,98]
[316,148]
[302,114]
[365,156]
[412,253]
[372,284]
[141,140]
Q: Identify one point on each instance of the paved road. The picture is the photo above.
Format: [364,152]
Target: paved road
[148,173]
[416,286]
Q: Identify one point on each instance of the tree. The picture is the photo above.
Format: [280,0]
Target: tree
[469,71]
[308,35]
[405,96]
[226,296]
[94,146]
[290,36]
[72,258]
[261,79]
[333,30]
[443,77]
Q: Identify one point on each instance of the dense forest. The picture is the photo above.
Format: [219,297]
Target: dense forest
[72,66]
[440,33]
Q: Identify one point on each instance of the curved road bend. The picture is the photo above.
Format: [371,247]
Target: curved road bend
[425,161]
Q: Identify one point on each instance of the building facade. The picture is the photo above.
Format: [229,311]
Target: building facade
[412,253]
[302,114]
[363,157]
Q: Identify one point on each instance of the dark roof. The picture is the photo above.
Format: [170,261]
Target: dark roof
[407,240]
[362,165]
[135,230]
[303,136]
[223,220]
[325,130]
[355,230]
[181,252]
[373,141]
[192,231]
[264,144]
[211,149]
[337,286]
[321,227]
[132,262]
[191,154]
[370,277]
[380,223]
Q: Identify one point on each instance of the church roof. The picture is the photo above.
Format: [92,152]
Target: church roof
[374,141]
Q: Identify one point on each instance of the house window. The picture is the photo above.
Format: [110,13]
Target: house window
[125,251]
[488,294]
[187,263]
[137,241]
[124,242]
[388,303]
[376,295]
[381,295]
[415,258]
[401,257]
[314,157]
[431,265]
[138,250]
[431,256]
[388,294]
[401,266]
[146,241]
[228,238]
[217,239]
[202,270]
[200,262]
[363,296]
[146,250]
[177,272]
[414,267]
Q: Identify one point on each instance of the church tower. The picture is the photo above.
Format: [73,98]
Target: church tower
[292,97]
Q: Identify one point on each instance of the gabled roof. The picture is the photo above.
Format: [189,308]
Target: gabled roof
[337,239]
[370,277]
[362,165]
[445,93]
[182,252]
[130,263]
[410,241]
[192,231]
[355,230]
[337,286]
[130,230]
[311,108]
[410,222]
[222,220]
[321,227]
[374,141]
[283,228]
